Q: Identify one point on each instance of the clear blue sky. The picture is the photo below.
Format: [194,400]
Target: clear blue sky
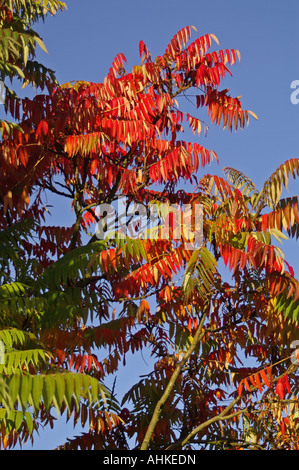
[83,41]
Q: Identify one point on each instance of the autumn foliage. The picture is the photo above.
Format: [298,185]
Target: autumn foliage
[219,319]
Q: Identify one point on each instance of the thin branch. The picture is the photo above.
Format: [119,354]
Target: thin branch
[159,406]
[224,416]
[51,188]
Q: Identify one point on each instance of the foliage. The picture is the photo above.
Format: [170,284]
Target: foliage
[79,303]
[18,42]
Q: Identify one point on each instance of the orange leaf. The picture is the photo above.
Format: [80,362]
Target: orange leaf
[247,385]
[258,382]
[112,256]
[144,306]
[252,381]
[89,362]
[264,377]
[104,260]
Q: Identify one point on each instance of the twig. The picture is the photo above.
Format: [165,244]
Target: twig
[159,406]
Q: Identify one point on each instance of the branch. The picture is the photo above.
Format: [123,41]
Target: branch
[50,187]
[221,417]
[159,406]
[224,416]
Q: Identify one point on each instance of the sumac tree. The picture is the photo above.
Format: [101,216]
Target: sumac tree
[218,317]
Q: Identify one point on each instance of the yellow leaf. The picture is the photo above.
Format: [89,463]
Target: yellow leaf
[253,115]
[8,201]
[215,38]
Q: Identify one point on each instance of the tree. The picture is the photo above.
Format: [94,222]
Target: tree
[91,299]
[31,382]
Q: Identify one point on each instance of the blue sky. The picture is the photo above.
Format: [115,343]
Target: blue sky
[83,41]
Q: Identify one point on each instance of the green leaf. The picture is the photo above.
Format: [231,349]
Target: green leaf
[26,54]
[48,390]
[24,390]
[41,44]
[29,421]
[60,389]
[18,419]
[36,392]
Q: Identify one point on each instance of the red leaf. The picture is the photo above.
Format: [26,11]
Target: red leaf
[89,362]
[72,360]
[83,362]
[264,222]
[23,155]
[291,270]
[42,128]
[141,47]
[270,374]
[287,383]
[279,390]
[282,427]
[252,381]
